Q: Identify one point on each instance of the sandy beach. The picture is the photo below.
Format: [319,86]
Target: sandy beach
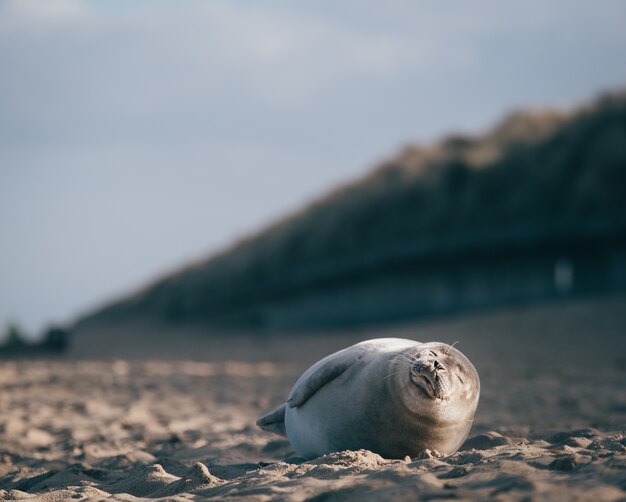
[550,423]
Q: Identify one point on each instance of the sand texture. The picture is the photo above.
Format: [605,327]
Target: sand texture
[550,424]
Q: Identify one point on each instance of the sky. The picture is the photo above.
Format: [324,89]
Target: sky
[137,136]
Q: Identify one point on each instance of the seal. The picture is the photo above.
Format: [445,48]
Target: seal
[393,396]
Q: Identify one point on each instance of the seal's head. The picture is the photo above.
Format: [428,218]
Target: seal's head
[439,382]
[441,372]
[439,387]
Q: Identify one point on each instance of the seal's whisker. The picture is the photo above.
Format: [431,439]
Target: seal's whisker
[450,347]
[410,359]
[397,370]
[392,375]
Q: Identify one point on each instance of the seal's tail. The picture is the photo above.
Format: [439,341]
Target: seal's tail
[274,421]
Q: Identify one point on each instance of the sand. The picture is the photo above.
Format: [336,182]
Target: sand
[550,424]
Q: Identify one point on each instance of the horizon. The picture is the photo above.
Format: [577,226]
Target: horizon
[92,189]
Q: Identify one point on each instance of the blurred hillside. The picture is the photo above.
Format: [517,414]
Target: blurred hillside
[534,209]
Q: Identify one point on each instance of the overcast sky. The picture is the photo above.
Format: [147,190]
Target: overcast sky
[138,135]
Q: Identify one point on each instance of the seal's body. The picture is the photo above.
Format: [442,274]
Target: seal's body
[392,396]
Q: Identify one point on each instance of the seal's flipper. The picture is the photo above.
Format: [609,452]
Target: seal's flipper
[274,421]
[323,372]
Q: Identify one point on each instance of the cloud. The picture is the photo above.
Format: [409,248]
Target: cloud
[47,12]
[73,60]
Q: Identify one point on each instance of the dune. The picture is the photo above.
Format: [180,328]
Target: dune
[465,223]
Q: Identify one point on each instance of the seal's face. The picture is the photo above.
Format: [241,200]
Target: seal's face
[442,373]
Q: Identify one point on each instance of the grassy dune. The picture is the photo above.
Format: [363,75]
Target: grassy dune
[535,174]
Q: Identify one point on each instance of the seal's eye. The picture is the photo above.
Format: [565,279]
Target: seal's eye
[459,377]
[433,353]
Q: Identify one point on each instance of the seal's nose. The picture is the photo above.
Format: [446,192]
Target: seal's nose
[437,365]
